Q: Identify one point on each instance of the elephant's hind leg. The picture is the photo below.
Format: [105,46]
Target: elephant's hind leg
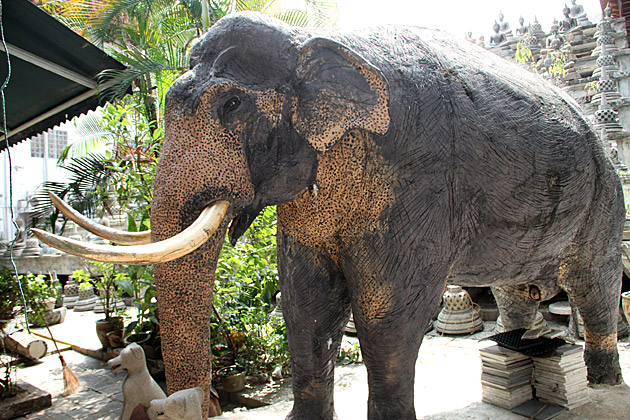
[316,308]
[592,279]
[594,290]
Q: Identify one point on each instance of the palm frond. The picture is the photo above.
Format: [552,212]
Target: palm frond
[85,191]
[294,17]
[91,136]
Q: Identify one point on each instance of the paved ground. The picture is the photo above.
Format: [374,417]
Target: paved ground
[448,388]
[447,384]
[100,395]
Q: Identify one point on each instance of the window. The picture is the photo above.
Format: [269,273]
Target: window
[57,141]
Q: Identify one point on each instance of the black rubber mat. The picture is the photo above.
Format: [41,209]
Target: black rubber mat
[535,347]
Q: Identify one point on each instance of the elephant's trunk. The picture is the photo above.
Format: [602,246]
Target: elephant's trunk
[184,293]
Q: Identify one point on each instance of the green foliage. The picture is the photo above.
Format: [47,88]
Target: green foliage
[134,159]
[141,287]
[246,281]
[523,54]
[106,278]
[37,292]
[556,67]
[86,191]
[350,354]
[10,292]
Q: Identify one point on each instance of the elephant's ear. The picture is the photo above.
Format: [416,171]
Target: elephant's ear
[337,90]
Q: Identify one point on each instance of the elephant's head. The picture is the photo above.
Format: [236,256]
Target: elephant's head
[247,122]
[245,128]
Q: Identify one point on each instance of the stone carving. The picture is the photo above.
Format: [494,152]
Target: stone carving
[505,27]
[578,13]
[181,405]
[138,388]
[536,29]
[554,41]
[568,22]
[497,38]
[522,30]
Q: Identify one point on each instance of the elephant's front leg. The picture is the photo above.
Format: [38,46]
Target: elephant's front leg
[392,310]
[316,308]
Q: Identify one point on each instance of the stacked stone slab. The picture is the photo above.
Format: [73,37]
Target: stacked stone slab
[505,377]
[71,293]
[561,378]
[87,299]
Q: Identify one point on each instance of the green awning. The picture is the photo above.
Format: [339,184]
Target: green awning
[53,72]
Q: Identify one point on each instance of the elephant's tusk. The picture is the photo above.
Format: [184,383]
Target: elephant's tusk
[169,249]
[114,235]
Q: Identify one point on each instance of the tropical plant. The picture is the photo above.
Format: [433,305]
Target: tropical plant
[246,281]
[38,291]
[86,191]
[106,278]
[141,288]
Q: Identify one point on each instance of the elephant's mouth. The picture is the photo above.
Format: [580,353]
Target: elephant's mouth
[241,222]
[141,249]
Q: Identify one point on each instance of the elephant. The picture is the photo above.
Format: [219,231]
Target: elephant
[401,159]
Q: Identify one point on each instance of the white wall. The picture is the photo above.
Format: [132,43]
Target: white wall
[27,174]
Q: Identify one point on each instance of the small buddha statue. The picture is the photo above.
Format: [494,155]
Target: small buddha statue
[577,12]
[522,30]
[554,41]
[504,27]
[568,23]
[497,38]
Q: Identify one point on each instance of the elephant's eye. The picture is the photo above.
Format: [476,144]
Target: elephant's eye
[231,104]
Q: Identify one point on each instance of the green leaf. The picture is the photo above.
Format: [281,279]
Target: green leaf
[131,224]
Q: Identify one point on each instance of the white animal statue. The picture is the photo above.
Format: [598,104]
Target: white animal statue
[138,388]
[181,405]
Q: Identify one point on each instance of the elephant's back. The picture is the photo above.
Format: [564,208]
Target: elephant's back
[506,155]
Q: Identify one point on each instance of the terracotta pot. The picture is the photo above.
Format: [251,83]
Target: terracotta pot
[232,378]
[625,303]
[104,326]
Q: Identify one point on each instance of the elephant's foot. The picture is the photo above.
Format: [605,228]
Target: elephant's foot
[602,359]
[384,409]
[310,412]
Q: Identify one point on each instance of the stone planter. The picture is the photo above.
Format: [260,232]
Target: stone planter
[458,316]
[232,378]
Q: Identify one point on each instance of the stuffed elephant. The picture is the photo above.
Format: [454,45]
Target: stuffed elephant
[400,159]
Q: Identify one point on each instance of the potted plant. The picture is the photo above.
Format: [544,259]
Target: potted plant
[145,329]
[41,295]
[106,278]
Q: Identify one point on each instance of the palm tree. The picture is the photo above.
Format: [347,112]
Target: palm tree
[153,37]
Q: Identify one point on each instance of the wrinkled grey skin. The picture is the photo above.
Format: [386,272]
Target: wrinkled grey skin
[432,160]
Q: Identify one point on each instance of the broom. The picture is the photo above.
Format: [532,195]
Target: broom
[70,380]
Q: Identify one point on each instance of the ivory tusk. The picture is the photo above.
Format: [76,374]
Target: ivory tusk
[169,249]
[114,235]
